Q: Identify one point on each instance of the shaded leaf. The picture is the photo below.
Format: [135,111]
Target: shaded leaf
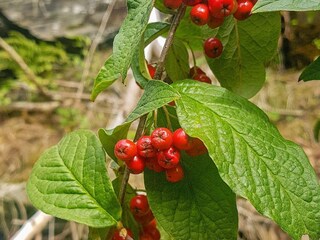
[241,67]
[312,72]
[201,206]
[177,61]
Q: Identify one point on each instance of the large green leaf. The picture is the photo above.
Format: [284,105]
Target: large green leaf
[312,72]
[177,61]
[125,45]
[252,157]
[69,181]
[286,5]
[201,206]
[241,67]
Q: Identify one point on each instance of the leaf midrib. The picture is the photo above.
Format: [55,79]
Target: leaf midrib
[79,183]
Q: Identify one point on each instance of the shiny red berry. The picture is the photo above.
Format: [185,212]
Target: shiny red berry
[139,205]
[254,1]
[220,8]
[181,140]
[191,2]
[152,70]
[145,148]
[244,10]
[202,78]
[122,234]
[145,236]
[152,164]
[136,165]
[215,22]
[168,158]
[161,138]
[125,150]
[197,148]
[200,14]
[175,174]
[213,47]
[195,70]
[172,4]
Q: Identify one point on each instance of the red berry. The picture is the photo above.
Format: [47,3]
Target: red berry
[150,225]
[153,232]
[172,4]
[139,205]
[213,47]
[136,165]
[197,148]
[152,70]
[191,2]
[181,140]
[161,138]
[145,219]
[145,148]
[125,150]
[152,164]
[200,14]
[244,9]
[122,234]
[145,236]
[195,70]
[215,22]
[202,78]
[175,174]
[254,1]
[220,8]
[168,158]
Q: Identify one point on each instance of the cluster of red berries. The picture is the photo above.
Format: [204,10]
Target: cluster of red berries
[212,13]
[143,215]
[159,152]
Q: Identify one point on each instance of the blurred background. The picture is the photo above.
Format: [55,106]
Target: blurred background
[50,53]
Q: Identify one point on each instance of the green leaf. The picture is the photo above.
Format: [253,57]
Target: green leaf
[156,95]
[201,206]
[138,65]
[241,67]
[109,138]
[286,5]
[252,157]
[131,31]
[160,6]
[312,72]
[193,34]
[107,75]
[125,45]
[69,181]
[177,61]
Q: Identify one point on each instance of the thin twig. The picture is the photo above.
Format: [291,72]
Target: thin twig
[169,40]
[93,48]
[22,64]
